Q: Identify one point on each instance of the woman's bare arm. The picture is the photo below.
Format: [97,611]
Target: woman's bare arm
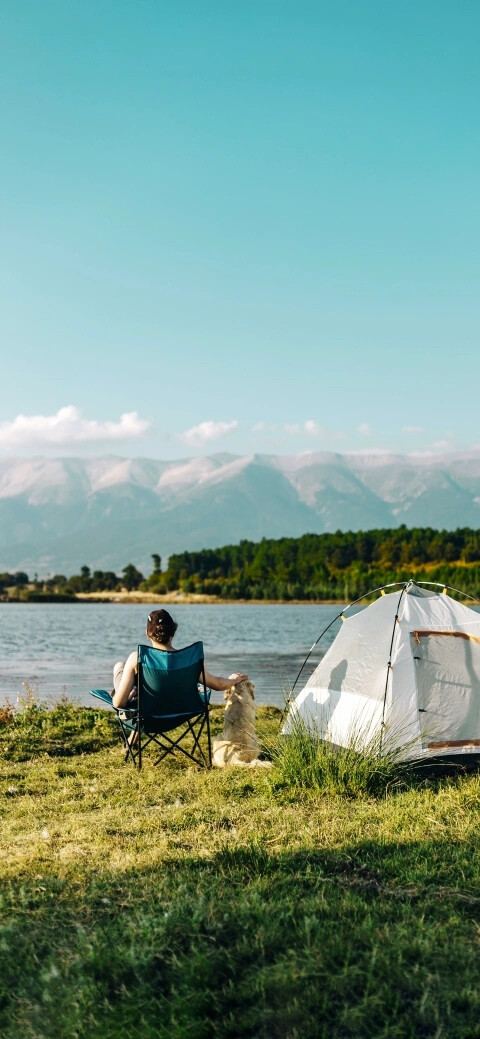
[221,684]
[120,698]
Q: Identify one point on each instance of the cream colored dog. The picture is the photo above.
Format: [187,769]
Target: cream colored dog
[238,744]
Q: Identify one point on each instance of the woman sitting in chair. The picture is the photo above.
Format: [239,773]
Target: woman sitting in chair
[160,630]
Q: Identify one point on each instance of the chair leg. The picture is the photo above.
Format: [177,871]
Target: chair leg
[201,760]
[134,745]
[132,742]
[209,740]
[130,739]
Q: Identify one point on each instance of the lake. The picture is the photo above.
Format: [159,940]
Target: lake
[69,648]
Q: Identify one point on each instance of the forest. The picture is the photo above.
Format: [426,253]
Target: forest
[339,566]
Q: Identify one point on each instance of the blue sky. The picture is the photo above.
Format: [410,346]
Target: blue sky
[239,227]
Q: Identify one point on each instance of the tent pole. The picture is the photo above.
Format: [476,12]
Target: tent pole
[389,665]
[373,591]
[439,584]
[355,602]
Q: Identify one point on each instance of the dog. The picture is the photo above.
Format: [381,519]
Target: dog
[238,744]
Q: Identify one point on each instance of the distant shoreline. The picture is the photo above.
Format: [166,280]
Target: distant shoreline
[130,598]
[204,600]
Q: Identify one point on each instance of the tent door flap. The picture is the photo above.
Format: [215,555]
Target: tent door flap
[447,669]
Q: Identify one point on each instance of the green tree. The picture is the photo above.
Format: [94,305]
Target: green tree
[157,563]
[132,577]
[59,580]
[104,581]
[20,578]
[85,578]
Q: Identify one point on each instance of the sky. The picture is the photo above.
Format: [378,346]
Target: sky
[243,227]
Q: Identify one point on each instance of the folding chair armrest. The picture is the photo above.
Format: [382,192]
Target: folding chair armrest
[102,694]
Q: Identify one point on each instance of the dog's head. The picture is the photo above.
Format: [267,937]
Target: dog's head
[242,691]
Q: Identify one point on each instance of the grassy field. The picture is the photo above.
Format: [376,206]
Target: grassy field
[234,903]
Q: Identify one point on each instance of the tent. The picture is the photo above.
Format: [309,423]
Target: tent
[402,674]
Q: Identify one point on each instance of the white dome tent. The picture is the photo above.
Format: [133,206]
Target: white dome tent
[402,674]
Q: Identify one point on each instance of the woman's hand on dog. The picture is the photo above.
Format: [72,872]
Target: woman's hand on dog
[222,684]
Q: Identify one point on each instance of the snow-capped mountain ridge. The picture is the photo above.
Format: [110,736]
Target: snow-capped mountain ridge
[58,513]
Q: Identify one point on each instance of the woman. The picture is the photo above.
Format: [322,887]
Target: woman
[160,630]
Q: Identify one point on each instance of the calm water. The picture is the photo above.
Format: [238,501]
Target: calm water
[71,648]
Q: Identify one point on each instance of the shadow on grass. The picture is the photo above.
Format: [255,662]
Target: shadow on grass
[374,942]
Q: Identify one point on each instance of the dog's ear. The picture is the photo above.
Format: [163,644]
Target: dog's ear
[251,688]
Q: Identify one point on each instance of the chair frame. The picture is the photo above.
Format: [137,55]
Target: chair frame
[135,727]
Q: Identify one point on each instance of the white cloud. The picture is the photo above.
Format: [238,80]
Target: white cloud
[264,427]
[208,431]
[413,429]
[68,427]
[312,428]
[364,429]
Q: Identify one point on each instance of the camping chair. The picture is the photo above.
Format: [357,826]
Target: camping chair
[168,698]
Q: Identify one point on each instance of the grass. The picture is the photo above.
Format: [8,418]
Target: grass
[30,729]
[308,762]
[234,903]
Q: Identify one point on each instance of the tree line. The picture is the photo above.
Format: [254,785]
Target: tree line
[19,585]
[341,565]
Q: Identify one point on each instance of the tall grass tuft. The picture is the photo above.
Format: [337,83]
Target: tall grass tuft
[308,759]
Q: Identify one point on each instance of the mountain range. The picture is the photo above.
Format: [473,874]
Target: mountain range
[57,514]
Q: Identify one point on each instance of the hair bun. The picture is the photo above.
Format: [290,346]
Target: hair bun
[160,626]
